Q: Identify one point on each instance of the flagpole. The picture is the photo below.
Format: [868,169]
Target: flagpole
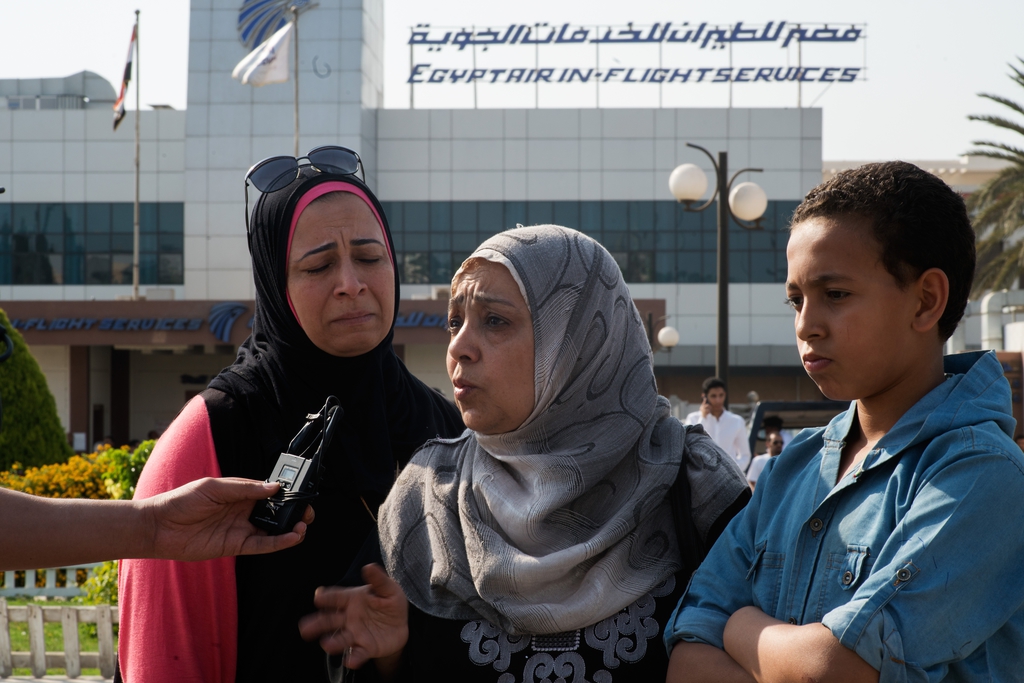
[138,115]
[295,38]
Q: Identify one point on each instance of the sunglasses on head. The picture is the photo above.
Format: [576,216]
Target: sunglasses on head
[274,173]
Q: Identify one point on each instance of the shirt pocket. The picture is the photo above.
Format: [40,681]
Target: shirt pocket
[845,573]
[765,576]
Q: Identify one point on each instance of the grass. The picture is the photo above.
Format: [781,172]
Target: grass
[54,638]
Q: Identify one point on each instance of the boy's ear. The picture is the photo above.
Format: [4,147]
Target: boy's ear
[933,292]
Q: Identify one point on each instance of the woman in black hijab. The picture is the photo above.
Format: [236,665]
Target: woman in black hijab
[327,294]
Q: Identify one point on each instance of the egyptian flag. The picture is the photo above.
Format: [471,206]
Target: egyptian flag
[119,105]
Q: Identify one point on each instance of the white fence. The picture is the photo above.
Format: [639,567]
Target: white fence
[65,589]
[72,659]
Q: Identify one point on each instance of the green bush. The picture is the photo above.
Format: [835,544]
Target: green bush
[31,433]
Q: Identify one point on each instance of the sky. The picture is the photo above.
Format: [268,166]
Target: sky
[925,61]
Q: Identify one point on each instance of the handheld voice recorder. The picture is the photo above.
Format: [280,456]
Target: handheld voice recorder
[298,472]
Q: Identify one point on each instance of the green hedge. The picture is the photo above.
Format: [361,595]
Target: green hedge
[31,433]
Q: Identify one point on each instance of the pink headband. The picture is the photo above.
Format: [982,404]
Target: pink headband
[319,191]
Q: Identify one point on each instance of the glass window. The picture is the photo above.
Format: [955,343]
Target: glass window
[622,259]
[393,215]
[739,266]
[35,268]
[440,241]
[539,213]
[762,266]
[74,244]
[123,243]
[5,219]
[709,263]
[515,213]
[98,244]
[688,221]
[464,217]
[665,216]
[416,241]
[665,241]
[664,266]
[567,214]
[74,269]
[5,243]
[616,241]
[121,269]
[491,217]
[148,217]
[5,269]
[462,241]
[762,239]
[641,240]
[688,267]
[397,242]
[416,217]
[457,259]
[171,270]
[21,244]
[440,217]
[97,217]
[690,241]
[416,268]
[171,217]
[739,237]
[590,219]
[172,243]
[26,218]
[74,218]
[48,244]
[97,269]
[51,218]
[641,215]
[614,216]
[147,242]
[122,217]
[440,267]
[641,267]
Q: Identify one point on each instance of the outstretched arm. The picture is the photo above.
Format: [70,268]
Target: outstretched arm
[204,519]
[366,622]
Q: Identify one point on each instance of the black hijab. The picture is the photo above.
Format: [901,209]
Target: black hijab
[258,404]
[280,375]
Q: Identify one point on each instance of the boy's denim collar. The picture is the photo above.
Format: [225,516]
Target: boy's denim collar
[922,419]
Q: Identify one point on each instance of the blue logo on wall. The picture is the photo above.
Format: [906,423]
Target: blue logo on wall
[260,19]
[222,319]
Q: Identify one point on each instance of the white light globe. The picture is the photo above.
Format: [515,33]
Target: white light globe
[748,201]
[668,336]
[687,183]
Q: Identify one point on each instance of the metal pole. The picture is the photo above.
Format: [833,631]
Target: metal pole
[138,115]
[722,342]
[295,38]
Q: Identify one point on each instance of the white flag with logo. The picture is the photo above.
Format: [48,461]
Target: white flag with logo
[268,63]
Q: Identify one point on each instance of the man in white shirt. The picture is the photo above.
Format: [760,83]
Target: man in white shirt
[773,440]
[726,429]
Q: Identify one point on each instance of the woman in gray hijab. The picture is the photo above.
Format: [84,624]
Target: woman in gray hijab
[554,537]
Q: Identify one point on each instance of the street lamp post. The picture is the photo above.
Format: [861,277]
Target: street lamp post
[745,203]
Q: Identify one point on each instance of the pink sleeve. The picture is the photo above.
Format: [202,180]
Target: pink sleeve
[179,620]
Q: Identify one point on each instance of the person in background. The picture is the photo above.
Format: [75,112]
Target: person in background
[773,440]
[725,428]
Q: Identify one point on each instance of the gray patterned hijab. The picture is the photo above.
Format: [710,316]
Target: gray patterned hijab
[565,520]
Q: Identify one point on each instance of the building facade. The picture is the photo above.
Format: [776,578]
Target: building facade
[448,179]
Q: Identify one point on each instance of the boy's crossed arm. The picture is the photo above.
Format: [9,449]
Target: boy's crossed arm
[760,648]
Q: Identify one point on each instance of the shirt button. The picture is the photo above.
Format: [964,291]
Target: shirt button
[816,524]
[903,574]
[792,620]
[847,578]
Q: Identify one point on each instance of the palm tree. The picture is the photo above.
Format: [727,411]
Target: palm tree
[998,205]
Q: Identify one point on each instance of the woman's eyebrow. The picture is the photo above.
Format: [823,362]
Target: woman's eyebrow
[482,298]
[323,247]
[363,241]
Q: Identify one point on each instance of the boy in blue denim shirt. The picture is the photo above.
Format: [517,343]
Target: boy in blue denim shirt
[887,545]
